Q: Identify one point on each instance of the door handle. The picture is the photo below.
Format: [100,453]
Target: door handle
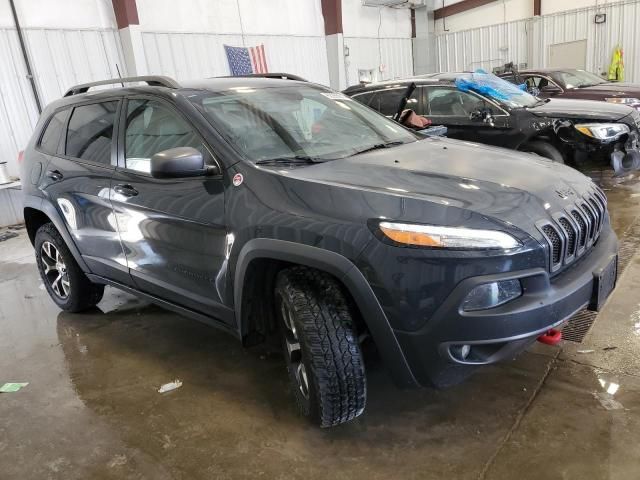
[126,190]
[55,175]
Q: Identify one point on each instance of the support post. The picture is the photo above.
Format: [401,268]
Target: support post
[126,12]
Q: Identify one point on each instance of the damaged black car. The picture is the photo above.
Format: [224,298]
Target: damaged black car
[483,108]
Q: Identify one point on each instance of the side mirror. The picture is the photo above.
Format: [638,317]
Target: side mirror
[550,90]
[180,162]
[483,115]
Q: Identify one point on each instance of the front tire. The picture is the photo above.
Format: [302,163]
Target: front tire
[63,278]
[321,347]
[544,149]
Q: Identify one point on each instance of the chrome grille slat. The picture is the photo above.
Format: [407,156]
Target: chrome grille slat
[571,234]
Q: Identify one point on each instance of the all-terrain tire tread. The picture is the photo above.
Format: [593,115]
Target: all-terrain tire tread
[84,294]
[327,335]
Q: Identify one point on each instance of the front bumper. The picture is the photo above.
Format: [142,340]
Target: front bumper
[502,332]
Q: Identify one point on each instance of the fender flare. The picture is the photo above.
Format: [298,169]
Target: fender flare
[351,277]
[41,205]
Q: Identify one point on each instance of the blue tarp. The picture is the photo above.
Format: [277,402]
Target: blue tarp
[488,84]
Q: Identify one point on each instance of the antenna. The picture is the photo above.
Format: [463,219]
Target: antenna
[119,76]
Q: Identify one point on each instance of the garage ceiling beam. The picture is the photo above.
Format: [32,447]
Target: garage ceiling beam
[459,7]
[537,7]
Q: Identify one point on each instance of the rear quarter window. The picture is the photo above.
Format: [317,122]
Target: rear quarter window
[90,132]
[50,139]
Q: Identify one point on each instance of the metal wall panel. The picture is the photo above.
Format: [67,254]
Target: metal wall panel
[200,55]
[528,41]
[621,28]
[395,54]
[63,58]
[60,59]
[18,113]
[485,47]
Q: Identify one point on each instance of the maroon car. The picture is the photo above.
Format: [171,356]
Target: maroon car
[572,83]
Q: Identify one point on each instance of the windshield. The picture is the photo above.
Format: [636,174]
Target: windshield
[297,122]
[578,78]
[491,86]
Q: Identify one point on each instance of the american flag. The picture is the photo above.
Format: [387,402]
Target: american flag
[246,60]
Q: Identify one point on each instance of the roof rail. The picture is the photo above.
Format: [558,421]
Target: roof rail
[280,75]
[151,80]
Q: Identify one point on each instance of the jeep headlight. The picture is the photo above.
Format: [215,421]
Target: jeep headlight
[447,237]
[603,131]
[623,100]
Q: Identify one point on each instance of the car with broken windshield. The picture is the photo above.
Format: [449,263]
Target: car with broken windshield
[480,107]
[280,210]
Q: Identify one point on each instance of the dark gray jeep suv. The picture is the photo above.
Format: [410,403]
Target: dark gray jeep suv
[275,206]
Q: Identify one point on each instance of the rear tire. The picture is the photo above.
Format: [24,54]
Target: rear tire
[544,149]
[321,347]
[66,283]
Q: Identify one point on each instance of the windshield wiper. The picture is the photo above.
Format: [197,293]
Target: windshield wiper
[379,146]
[288,160]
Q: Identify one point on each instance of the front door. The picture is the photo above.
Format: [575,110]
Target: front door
[172,230]
[77,181]
[459,111]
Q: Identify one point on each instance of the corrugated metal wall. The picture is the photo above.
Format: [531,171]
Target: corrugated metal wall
[200,55]
[528,41]
[368,53]
[620,28]
[18,113]
[60,59]
[484,47]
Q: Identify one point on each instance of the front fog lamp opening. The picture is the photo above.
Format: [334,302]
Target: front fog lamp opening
[490,295]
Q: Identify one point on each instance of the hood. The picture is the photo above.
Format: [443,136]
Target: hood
[614,89]
[508,186]
[581,109]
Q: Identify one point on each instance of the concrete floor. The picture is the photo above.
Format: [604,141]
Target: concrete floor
[91,409]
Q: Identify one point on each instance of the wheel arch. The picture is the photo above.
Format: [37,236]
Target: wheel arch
[290,253]
[37,212]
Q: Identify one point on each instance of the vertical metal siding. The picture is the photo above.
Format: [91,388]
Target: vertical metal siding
[368,53]
[61,58]
[528,41]
[200,55]
[484,47]
[18,113]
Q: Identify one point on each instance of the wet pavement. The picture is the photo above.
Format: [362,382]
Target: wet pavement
[92,410]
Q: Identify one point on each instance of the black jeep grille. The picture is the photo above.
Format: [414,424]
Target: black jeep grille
[572,233]
[582,233]
[555,242]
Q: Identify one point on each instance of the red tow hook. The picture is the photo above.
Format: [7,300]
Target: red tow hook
[551,337]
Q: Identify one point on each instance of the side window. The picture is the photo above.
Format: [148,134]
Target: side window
[152,128]
[537,82]
[388,101]
[90,132]
[53,132]
[452,102]
[364,98]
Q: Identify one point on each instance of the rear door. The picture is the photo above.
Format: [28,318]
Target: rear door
[77,180]
[457,110]
[173,230]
